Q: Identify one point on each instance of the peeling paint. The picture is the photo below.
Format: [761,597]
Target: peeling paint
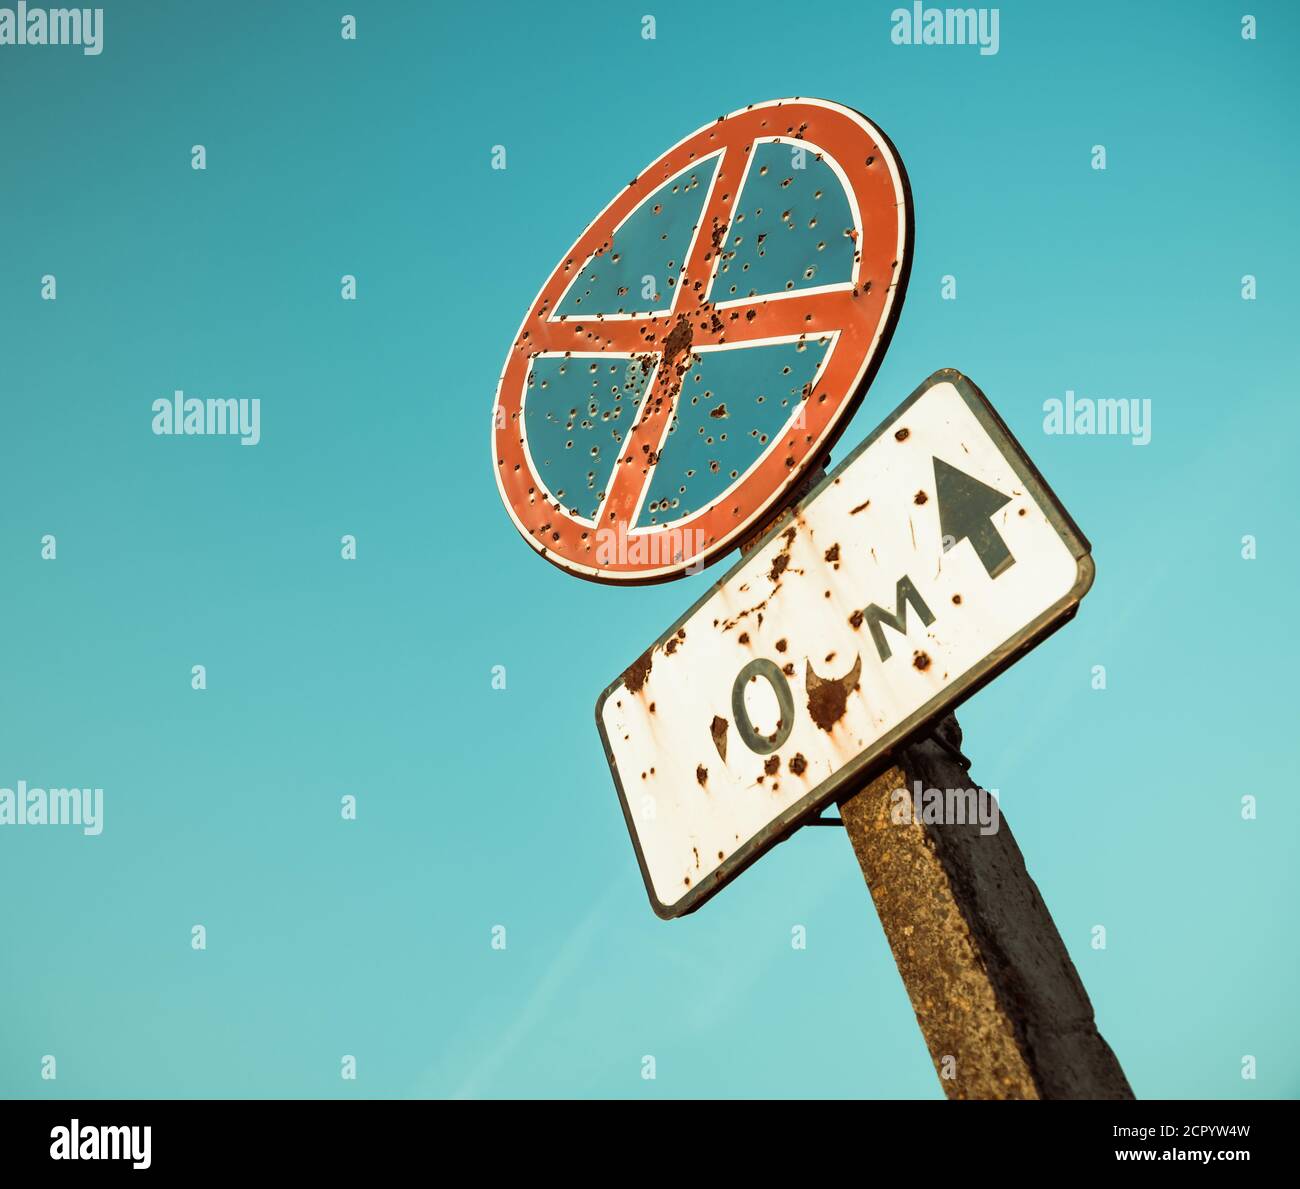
[718,729]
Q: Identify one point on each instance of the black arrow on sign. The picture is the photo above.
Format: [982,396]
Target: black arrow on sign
[965,509]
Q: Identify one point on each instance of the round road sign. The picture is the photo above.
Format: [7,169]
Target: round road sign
[704,342]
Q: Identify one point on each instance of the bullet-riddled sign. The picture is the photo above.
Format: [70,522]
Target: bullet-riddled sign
[924,564]
[704,342]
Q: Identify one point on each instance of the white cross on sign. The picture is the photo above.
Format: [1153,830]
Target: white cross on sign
[930,559]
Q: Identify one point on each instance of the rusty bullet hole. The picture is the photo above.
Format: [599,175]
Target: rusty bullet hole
[782,644]
[862,507]
[798,765]
[701,774]
[855,620]
[743,638]
[920,497]
[772,765]
[921,660]
[833,553]
[956,600]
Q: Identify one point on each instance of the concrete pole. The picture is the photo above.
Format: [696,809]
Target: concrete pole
[999,1002]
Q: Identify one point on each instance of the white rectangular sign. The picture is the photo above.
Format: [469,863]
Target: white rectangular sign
[930,559]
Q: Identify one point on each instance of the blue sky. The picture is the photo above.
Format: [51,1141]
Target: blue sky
[480,807]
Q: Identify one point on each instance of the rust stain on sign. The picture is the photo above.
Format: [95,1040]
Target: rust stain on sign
[781,562]
[638,671]
[828,697]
